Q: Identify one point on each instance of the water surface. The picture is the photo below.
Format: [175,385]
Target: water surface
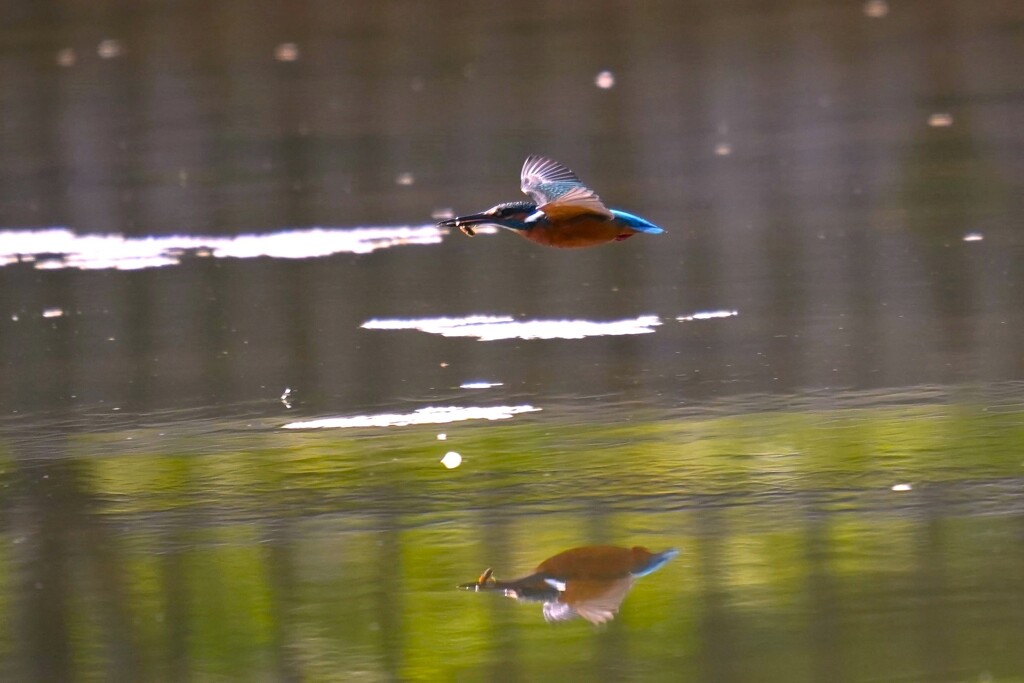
[235,348]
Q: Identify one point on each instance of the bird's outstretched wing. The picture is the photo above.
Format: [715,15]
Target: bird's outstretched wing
[557,191]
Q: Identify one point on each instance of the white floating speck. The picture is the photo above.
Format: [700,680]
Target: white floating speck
[940,120]
[66,57]
[442,437]
[53,313]
[405,179]
[973,237]
[876,9]
[902,487]
[605,80]
[707,315]
[723,149]
[451,460]
[286,52]
[110,48]
[286,397]
[14,317]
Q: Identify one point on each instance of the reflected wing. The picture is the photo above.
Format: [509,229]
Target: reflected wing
[594,600]
[558,611]
[558,192]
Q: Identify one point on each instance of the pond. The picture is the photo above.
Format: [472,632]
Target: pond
[260,417]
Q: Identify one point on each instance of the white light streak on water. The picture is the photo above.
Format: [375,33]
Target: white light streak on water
[707,315]
[431,415]
[57,248]
[493,328]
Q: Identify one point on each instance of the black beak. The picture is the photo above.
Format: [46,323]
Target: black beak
[466,223]
[481,583]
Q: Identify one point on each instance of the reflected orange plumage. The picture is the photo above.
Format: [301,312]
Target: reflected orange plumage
[596,562]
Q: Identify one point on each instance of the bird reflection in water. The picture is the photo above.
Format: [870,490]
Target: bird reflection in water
[588,582]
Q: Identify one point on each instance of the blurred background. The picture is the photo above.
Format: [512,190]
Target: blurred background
[217,221]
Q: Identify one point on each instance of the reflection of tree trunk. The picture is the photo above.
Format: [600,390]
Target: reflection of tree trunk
[503,637]
[611,645]
[389,588]
[177,602]
[611,656]
[950,187]
[114,609]
[825,635]
[717,659]
[45,522]
[936,646]
[176,607]
[281,584]
[1015,589]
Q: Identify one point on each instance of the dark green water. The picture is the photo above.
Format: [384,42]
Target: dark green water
[205,471]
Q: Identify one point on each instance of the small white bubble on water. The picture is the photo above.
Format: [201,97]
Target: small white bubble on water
[109,49]
[405,179]
[940,120]
[286,52]
[605,80]
[876,9]
[53,313]
[973,237]
[902,487]
[451,460]
[442,437]
[66,57]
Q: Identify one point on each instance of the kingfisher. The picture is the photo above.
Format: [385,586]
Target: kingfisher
[588,582]
[564,212]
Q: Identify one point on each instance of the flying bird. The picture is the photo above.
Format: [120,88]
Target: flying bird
[564,212]
[588,582]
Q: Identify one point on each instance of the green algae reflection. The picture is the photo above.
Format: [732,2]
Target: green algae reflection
[217,552]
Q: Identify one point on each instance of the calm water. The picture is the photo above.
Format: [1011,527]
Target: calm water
[234,349]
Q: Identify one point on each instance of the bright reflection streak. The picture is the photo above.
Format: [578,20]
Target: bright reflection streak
[423,416]
[707,315]
[57,248]
[492,328]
